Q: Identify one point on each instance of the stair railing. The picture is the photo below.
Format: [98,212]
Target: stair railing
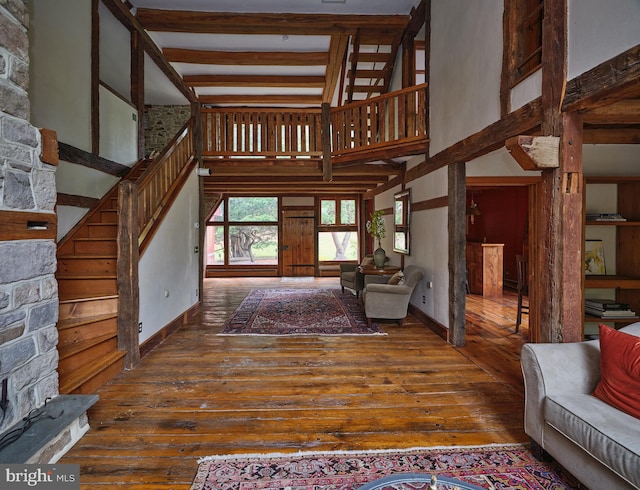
[141,206]
[157,185]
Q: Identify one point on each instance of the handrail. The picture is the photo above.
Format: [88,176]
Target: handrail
[156,185]
[392,118]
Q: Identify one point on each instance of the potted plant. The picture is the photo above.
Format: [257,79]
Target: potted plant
[375,227]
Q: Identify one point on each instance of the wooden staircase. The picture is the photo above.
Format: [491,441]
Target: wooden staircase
[88,295]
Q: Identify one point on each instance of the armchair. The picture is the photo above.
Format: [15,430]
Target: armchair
[351,277]
[387,301]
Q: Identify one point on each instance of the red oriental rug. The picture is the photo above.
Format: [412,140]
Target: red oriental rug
[491,467]
[299,312]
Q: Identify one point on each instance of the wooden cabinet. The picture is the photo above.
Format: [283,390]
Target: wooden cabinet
[485,268]
[621,240]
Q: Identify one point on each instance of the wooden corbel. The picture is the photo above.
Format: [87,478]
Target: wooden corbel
[535,152]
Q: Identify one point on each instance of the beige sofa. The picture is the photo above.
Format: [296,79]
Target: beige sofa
[594,441]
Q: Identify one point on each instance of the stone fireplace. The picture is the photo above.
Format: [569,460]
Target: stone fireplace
[28,289]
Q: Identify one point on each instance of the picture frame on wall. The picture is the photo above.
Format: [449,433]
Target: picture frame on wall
[594,258]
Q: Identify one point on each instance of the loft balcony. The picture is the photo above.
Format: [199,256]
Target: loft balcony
[352,148]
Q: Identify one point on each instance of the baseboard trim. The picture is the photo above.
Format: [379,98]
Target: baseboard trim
[438,328]
[159,337]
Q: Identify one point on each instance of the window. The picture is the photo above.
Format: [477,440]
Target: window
[523,40]
[246,234]
[338,230]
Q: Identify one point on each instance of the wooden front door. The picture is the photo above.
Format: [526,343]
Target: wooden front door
[297,245]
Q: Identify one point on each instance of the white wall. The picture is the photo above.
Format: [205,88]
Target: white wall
[60,91]
[60,96]
[599,31]
[118,129]
[169,267]
[466,63]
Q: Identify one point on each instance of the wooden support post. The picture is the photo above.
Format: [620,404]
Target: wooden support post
[198,144]
[572,198]
[127,272]
[457,259]
[546,259]
[327,173]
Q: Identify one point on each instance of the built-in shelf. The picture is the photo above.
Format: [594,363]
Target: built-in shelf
[611,281]
[613,223]
[623,239]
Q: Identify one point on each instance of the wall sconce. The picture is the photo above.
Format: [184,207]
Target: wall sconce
[473,211]
[203,172]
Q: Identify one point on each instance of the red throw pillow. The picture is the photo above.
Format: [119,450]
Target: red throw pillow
[619,384]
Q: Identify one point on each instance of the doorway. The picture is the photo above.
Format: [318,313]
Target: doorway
[502,211]
[297,246]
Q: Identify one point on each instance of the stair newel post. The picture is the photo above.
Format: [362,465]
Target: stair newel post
[127,272]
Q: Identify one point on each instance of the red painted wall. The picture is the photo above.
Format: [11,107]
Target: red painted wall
[503,219]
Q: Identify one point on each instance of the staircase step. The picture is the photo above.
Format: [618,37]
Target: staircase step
[84,320]
[70,287]
[95,375]
[85,351]
[83,307]
[95,246]
[87,264]
[108,216]
[74,330]
[103,230]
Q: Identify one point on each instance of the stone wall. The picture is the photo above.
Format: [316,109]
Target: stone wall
[28,289]
[161,123]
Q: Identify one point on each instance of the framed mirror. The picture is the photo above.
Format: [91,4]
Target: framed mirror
[401,214]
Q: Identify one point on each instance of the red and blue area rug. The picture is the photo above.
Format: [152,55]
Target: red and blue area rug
[299,312]
[490,467]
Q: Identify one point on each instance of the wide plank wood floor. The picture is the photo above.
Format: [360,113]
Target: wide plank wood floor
[200,394]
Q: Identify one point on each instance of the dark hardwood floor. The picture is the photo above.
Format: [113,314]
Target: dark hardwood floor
[200,394]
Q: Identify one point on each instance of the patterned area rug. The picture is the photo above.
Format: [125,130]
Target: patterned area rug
[492,467]
[299,312]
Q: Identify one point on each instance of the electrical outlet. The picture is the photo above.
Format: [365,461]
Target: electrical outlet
[140,327]
[424,299]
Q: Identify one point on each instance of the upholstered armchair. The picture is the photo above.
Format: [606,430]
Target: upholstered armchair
[389,301]
[351,277]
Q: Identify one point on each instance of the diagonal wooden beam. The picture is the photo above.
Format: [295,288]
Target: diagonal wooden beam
[337,53]
[611,81]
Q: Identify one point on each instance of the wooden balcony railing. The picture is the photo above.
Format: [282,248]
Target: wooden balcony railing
[397,119]
[251,132]
[156,186]
[393,119]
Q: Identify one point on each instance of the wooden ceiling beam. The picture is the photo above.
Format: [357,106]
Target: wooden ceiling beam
[611,136]
[263,23]
[623,112]
[254,81]
[306,100]
[245,58]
